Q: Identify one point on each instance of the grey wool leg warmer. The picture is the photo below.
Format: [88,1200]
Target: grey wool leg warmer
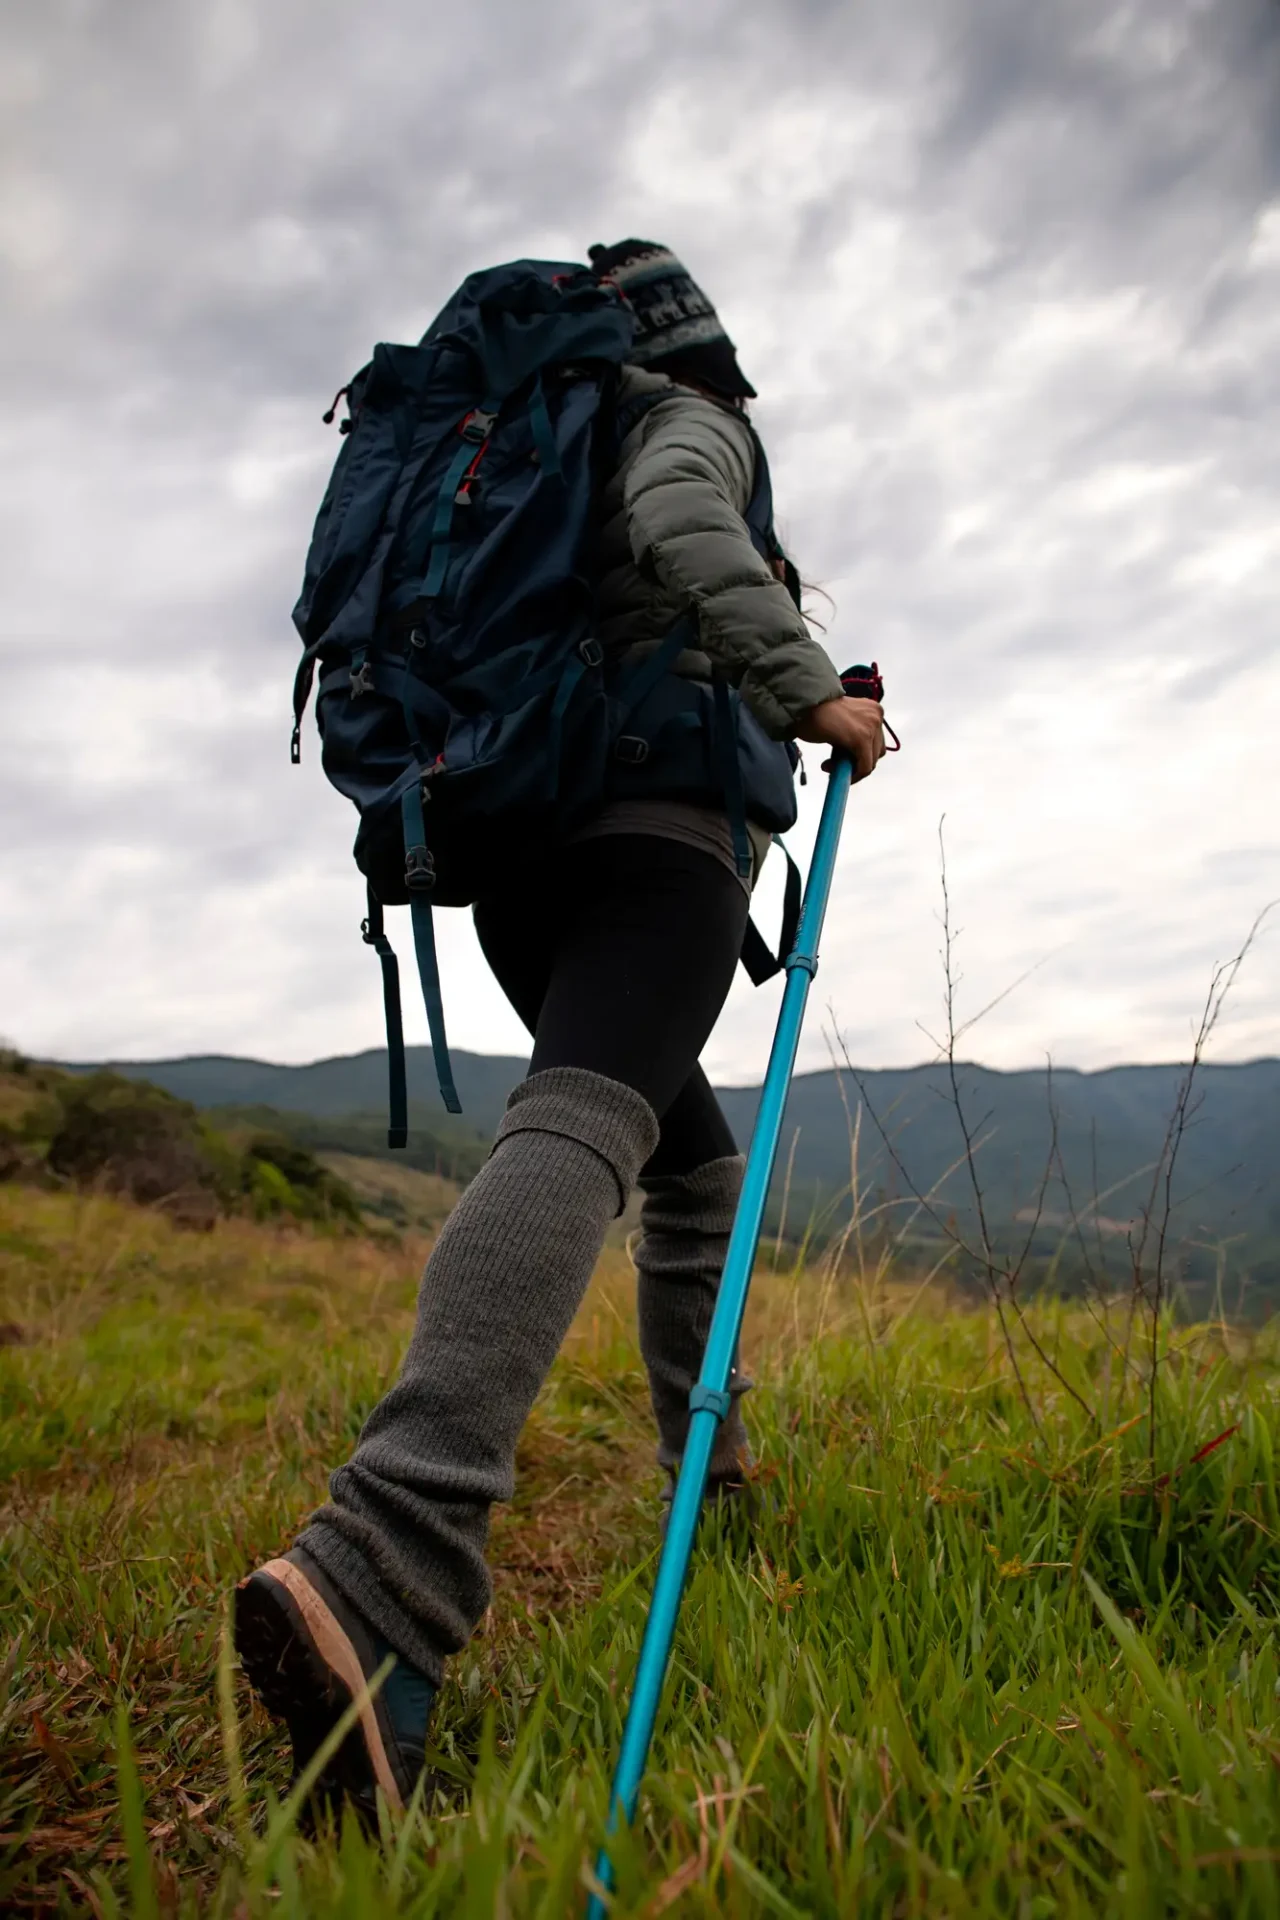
[684,1234]
[404,1535]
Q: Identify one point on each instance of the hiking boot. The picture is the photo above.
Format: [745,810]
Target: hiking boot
[308,1654]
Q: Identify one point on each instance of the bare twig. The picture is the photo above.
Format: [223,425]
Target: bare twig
[1161,1193]
[1013,1274]
[786,1199]
[949,984]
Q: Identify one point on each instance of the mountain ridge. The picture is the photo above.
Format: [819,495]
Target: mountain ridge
[1103,1128]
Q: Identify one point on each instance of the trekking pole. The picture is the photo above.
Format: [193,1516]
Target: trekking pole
[710,1401]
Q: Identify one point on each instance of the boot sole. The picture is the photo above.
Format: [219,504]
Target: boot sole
[305,1668]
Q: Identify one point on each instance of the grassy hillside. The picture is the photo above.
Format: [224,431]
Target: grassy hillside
[1104,1130]
[352,1092]
[454,1157]
[407,1199]
[992,1652]
[123,1135]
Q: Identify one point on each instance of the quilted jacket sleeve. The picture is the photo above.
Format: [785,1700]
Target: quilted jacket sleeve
[686,492]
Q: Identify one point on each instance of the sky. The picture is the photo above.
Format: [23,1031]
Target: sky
[1007,278]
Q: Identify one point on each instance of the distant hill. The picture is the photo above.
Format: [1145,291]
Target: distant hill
[349,1083]
[346,1100]
[1110,1128]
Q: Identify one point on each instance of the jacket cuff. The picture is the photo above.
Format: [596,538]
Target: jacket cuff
[781,686]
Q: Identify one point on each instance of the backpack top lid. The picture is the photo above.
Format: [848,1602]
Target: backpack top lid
[516,319]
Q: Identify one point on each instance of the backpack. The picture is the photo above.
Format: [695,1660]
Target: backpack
[447,616]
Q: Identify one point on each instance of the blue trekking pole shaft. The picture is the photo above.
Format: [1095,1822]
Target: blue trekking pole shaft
[709,1400]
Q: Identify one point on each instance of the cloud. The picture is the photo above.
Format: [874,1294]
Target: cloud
[1007,280]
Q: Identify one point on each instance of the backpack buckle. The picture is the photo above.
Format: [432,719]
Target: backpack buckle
[631,750]
[419,869]
[477,424]
[361,679]
[591,653]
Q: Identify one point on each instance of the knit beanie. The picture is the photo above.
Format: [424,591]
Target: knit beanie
[678,331]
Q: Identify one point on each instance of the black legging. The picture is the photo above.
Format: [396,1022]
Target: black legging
[618,957]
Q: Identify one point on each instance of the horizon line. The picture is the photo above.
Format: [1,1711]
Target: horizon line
[919,1066]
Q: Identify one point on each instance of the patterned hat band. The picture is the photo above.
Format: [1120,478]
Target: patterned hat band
[673,315]
[653,339]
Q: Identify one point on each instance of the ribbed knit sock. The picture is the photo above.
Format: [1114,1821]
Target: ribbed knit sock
[404,1534]
[685,1221]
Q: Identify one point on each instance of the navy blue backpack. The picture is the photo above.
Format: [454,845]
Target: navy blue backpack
[447,618]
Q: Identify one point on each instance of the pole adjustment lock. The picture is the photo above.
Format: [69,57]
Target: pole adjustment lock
[803,962]
[707,1400]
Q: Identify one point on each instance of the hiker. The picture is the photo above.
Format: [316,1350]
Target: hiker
[617,953]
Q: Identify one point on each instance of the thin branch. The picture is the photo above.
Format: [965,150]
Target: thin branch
[1224,979]
[1076,1231]
[786,1200]
[1015,1274]
[950,983]
[1012,987]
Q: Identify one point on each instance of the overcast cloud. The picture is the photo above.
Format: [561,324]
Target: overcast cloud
[1007,277]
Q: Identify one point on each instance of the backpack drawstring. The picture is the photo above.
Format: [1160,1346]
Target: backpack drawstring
[343,393]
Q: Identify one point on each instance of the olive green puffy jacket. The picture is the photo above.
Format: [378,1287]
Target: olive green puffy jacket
[674,541]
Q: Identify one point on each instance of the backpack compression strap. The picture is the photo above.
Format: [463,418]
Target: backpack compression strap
[418,861]
[419,877]
[372,933]
[726,750]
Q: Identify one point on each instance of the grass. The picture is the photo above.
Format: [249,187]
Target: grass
[978,1662]
[405,1197]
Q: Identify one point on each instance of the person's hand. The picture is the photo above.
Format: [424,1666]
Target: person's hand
[853,727]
